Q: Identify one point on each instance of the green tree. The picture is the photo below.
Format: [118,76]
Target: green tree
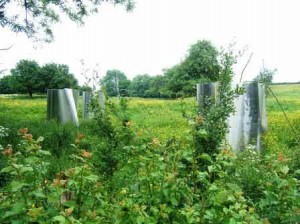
[26,74]
[56,76]
[115,83]
[36,17]
[7,84]
[140,85]
[202,61]
[157,87]
[265,76]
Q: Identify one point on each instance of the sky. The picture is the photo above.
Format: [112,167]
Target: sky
[158,34]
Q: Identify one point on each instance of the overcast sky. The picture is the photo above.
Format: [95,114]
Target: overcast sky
[158,33]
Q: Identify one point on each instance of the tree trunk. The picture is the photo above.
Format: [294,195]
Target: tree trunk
[30,94]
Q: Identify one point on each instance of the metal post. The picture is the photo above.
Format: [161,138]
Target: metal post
[250,119]
[101,99]
[61,106]
[204,91]
[86,100]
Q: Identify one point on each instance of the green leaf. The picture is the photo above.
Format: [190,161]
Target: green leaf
[173,201]
[69,204]
[16,185]
[211,169]
[284,169]
[44,152]
[40,139]
[7,169]
[202,133]
[92,178]
[17,208]
[140,219]
[39,194]
[221,197]
[59,219]
[26,169]
[205,156]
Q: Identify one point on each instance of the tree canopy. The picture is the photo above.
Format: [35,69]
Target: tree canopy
[201,63]
[36,17]
[115,83]
[29,77]
[56,76]
[26,74]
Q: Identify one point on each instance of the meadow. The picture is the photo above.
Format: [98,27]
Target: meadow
[153,118]
[136,164]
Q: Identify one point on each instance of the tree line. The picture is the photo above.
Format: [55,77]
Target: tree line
[29,77]
[200,64]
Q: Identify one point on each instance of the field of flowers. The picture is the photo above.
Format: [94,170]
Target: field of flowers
[159,118]
[140,162]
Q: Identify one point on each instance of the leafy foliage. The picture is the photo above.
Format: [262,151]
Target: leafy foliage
[56,76]
[153,180]
[7,85]
[35,18]
[115,83]
[26,74]
[29,77]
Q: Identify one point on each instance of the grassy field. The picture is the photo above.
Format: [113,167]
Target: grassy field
[145,170]
[158,118]
[155,117]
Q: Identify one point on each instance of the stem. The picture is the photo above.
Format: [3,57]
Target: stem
[78,201]
[245,67]
[285,115]
[22,191]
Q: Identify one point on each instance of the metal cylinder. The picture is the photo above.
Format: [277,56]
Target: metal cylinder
[250,119]
[101,99]
[206,91]
[61,106]
[86,100]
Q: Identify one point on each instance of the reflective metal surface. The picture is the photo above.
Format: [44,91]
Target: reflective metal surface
[101,99]
[250,118]
[61,105]
[86,100]
[206,90]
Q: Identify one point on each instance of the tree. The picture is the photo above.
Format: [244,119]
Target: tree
[157,87]
[56,76]
[200,64]
[116,83]
[7,84]
[202,61]
[140,85]
[31,78]
[265,75]
[26,74]
[36,17]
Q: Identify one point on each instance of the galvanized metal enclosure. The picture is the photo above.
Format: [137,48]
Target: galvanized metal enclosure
[250,118]
[62,105]
[86,100]
[204,91]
